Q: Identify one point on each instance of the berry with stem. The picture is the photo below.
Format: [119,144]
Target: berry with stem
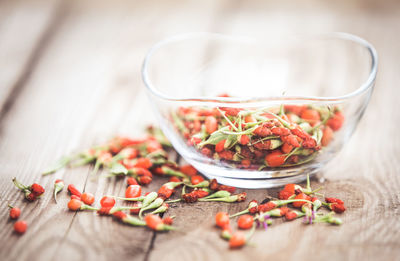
[58,187]
[15,212]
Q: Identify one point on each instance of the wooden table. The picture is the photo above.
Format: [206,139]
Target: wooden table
[70,78]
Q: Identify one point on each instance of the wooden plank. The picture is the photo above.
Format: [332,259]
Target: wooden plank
[84,90]
[24,30]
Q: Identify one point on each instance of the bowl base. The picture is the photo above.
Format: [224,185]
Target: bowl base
[261,183]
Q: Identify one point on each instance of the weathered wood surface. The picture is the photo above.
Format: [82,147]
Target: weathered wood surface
[70,78]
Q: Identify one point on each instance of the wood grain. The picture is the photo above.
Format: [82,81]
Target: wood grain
[81,85]
[18,55]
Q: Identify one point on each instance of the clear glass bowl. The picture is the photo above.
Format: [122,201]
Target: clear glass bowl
[328,73]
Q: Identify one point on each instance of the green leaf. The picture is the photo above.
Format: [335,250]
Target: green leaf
[275,144]
[231,140]
[215,137]
[118,169]
[306,127]
[248,131]
[61,163]
[178,122]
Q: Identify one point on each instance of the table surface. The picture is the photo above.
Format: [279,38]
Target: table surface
[70,78]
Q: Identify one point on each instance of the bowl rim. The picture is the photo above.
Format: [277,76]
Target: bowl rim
[369,83]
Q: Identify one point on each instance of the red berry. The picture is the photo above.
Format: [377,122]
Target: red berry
[136,211]
[87,198]
[310,115]
[37,190]
[280,131]
[336,121]
[143,163]
[104,157]
[143,172]
[327,136]
[226,154]
[104,211]
[74,204]
[107,202]
[298,204]
[244,140]
[227,188]
[153,145]
[275,158]
[296,109]
[291,188]
[30,196]
[74,191]
[245,222]
[338,208]
[206,152]
[290,215]
[153,221]
[249,118]
[20,227]
[283,194]
[131,181]
[165,192]
[120,215]
[237,240]
[211,124]
[267,206]
[144,180]
[287,148]
[129,153]
[75,197]
[222,219]
[201,193]
[334,200]
[133,191]
[15,212]
[168,220]
[220,146]
[174,179]
[197,179]
[188,170]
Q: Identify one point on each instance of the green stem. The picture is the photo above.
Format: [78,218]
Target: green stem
[155,204]
[171,172]
[226,118]
[96,168]
[87,207]
[19,184]
[239,213]
[116,209]
[178,122]
[251,233]
[61,163]
[129,199]
[133,221]
[219,194]
[85,161]
[203,184]
[284,123]
[173,200]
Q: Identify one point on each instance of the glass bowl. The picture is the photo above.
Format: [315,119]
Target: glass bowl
[259,113]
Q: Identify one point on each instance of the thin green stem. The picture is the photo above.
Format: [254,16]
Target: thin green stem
[226,118]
